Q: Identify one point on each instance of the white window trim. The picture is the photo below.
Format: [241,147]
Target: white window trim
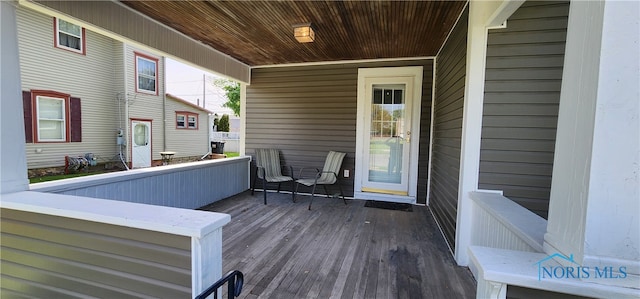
[138,74]
[63,120]
[184,121]
[186,116]
[81,37]
[195,121]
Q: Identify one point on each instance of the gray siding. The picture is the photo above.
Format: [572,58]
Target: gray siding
[187,185]
[447,133]
[306,111]
[144,106]
[89,77]
[54,257]
[425,135]
[186,142]
[522,93]
[127,23]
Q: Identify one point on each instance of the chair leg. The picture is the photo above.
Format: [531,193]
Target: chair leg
[342,194]
[264,187]
[295,190]
[279,186]
[313,192]
[255,180]
[326,191]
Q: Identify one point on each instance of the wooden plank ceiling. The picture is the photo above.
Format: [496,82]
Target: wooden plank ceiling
[261,32]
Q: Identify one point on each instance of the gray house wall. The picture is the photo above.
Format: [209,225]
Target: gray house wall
[56,257]
[186,142]
[447,131]
[522,93]
[45,67]
[306,111]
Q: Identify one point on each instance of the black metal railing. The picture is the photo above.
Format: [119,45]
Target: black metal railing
[234,278]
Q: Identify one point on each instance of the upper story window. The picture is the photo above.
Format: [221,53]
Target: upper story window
[186,120]
[146,74]
[69,36]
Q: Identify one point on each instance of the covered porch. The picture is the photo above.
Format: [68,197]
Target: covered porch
[310,106]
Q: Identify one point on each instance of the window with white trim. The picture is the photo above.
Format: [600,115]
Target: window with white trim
[146,74]
[51,124]
[69,36]
[192,121]
[180,123]
[186,120]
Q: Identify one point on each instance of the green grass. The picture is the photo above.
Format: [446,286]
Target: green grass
[58,177]
[79,174]
[232,154]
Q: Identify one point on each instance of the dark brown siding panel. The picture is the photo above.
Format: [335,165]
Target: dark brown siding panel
[76,120]
[53,257]
[522,93]
[28,116]
[425,135]
[447,132]
[306,111]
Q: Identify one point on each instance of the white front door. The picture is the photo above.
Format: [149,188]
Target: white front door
[141,143]
[387,132]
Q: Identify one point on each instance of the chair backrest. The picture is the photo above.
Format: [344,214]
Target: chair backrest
[332,164]
[269,159]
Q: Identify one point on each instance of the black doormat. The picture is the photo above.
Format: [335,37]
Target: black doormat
[389,205]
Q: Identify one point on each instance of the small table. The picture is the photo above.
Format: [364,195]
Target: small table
[167,157]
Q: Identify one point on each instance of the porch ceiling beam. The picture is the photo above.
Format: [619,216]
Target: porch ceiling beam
[119,22]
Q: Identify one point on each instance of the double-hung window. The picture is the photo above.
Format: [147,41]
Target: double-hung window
[180,121]
[69,36]
[192,121]
[52,118]
[186,120]
[146,74]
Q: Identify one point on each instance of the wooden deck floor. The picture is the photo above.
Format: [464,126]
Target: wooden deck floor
[337,251]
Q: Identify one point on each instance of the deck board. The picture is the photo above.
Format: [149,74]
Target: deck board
[337,250]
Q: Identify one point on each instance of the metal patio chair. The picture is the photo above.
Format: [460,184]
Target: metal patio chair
[269,170]
[327,176]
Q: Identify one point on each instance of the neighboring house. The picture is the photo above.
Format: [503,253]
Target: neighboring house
[187,128]
[84,92]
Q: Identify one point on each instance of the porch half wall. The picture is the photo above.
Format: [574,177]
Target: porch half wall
[49,256]
[307,111]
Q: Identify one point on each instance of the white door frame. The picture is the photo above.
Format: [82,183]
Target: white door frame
[133,151]
[414,72]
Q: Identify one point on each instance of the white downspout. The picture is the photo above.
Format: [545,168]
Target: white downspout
[126,105]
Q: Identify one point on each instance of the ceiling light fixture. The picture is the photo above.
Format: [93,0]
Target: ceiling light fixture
[304,33]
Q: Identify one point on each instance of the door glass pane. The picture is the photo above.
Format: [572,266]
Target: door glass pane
[386,136]
[140,135]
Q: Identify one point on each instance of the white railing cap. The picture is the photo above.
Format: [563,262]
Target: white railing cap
[184,222]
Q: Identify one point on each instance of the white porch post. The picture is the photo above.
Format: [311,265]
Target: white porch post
[482,15]
[13,160]
[243,117]
[594,207]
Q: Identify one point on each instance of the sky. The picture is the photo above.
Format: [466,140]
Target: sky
[185,82]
